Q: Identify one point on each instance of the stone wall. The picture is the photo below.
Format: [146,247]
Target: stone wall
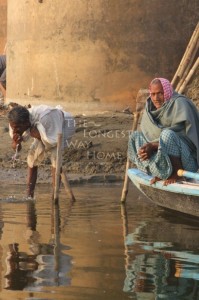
[93,54]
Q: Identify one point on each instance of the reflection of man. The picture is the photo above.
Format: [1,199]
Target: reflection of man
[3,74]
[19,265]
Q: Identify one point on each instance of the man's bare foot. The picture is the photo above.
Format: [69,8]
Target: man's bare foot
[172,179]
[154,180]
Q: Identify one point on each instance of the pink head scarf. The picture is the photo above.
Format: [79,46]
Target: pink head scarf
[167,88]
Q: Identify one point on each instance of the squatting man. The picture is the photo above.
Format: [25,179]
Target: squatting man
[169,136]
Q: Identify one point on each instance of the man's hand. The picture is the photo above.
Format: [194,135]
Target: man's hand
[34,132]
[17,139]
[146,151]
[16,146]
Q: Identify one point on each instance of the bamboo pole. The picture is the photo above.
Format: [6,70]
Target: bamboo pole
[190,52]
[191,45]
[142,95]
[188,67]
[125,227]
[59,172]
[58,167]
[56,239]
[190,74]
[67,186]
[126,178]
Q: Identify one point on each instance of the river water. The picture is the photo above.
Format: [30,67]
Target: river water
[95,248]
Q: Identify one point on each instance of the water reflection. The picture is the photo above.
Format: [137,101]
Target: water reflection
[95,248]
[20,264]
[162,257]
[40,263]
[19,268]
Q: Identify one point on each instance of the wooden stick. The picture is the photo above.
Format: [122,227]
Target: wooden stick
[191,72]
[142,95]
[189,61]
[188,51]
[58,167]
[67,186]
[191,51]
[55,236]
[125,226]
[188,174]
[126,179]
[56,239]
[126,182]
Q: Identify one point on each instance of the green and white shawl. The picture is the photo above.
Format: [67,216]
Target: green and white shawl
[178,114]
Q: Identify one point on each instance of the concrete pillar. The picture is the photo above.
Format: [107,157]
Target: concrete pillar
[3,25]
[93,54]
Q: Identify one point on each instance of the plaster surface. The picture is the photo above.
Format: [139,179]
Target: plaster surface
[89,55]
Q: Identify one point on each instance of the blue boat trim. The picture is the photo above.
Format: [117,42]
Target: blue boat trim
[139,177]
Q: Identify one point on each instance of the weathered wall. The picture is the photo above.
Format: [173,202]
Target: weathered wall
[3,25]
[93,54]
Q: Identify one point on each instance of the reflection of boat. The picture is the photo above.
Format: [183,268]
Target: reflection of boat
[180,196]
[163,272]
[167,251]
[163,258]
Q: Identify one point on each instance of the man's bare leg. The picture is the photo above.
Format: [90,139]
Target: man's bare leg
[176,164]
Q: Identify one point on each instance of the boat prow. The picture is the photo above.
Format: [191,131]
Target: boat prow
[182,196]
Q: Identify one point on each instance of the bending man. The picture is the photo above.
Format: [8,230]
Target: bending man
[43,123]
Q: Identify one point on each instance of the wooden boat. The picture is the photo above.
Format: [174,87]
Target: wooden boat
[182,196]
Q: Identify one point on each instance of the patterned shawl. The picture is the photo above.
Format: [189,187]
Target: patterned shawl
[179,114]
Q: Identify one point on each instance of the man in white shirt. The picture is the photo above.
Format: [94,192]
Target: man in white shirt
[43,123]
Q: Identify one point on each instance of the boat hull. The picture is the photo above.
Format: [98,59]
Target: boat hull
[182,197]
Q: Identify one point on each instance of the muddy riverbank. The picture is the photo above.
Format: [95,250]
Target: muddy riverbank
[97,152]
